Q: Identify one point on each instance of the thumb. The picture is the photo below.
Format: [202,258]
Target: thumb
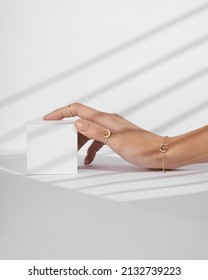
[82,125]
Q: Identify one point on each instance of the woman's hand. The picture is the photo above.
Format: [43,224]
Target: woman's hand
[132,143]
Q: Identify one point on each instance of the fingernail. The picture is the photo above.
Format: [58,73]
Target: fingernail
[82,125]
[48,117]
[86,161]
[45,117]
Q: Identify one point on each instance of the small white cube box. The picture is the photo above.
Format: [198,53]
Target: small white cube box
[51,147]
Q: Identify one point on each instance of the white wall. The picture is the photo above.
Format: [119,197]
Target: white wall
[145,59]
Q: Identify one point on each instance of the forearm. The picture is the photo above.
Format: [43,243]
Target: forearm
[188,148]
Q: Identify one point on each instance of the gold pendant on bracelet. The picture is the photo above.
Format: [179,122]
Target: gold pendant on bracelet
[163,149]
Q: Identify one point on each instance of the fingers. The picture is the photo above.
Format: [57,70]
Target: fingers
[85,112]
[91,130]
[82,140]
[88,130]
[75,109]
[92,150]
[112,121]
[59,114]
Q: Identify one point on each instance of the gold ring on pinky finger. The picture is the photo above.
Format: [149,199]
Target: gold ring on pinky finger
[70,110]
[106,135]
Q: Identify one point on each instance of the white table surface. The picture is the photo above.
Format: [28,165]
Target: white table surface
[110,210]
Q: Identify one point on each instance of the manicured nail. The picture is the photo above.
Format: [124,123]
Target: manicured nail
[82,125]
[48,117]
[45,117]
[86,161]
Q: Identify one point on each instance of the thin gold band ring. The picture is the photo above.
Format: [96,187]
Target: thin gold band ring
[70,111]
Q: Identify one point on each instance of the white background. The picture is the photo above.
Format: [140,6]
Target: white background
[144,59]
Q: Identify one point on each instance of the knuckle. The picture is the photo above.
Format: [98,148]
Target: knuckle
[75,107]
[116,115]
[108,116]
[100,115]
[76,104]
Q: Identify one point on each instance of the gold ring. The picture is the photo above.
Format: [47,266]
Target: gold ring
[106,135]
[70,111]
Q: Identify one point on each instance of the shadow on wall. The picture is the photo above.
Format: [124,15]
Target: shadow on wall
[198,108]
[143,70]
[120,180]
[154,97]
[97,59]
[167,91]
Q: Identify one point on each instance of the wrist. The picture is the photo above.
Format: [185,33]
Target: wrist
[178,153]
[161,156]
[186,149]
[174,155]
[156,155]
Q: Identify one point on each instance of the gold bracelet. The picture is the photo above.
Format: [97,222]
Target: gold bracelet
[163,149]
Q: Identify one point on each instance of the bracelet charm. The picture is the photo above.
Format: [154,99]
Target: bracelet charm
[163,149]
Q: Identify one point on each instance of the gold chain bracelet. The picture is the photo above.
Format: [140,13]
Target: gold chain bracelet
[163,149]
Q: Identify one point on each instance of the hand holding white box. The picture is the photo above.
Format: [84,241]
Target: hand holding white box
[51,147]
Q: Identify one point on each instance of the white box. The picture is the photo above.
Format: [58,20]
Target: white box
[51,147]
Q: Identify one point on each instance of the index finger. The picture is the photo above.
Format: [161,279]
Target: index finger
[82,111]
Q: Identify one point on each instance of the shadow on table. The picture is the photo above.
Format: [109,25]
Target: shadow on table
[113,178]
